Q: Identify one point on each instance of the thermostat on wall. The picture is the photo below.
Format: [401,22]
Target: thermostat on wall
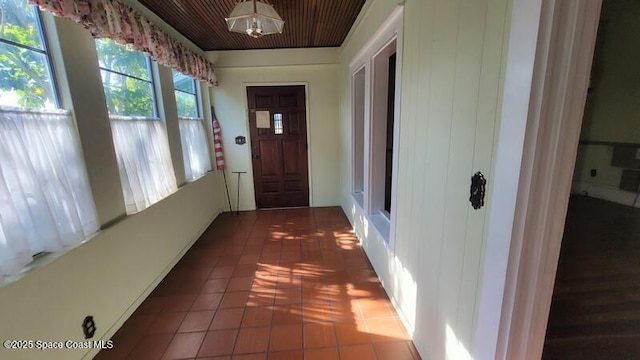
[240,140]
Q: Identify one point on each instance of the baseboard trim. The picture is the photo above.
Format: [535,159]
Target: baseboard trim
[607,193]
[385,285]
[127,314]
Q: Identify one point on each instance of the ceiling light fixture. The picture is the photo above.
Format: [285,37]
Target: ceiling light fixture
[254,18]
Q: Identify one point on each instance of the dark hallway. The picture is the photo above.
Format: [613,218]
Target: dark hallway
[595,311]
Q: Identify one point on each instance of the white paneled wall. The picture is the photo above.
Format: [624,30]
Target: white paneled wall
[452,73]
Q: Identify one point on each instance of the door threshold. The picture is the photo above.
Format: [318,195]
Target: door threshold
[285,208]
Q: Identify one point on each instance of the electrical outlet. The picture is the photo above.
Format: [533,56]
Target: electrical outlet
[89,327]
[594,172]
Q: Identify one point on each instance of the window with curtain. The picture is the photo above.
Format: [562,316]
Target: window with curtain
[195,150]
[139,137]
[45,199]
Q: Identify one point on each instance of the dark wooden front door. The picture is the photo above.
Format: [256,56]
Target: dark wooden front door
[277,121]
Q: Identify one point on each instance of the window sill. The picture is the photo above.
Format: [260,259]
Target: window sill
[382,226]
[43,259]
[380,221]
[359,198]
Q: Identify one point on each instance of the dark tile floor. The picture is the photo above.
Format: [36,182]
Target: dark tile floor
[278,284]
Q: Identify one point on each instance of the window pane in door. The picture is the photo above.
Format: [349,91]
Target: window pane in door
[277,124]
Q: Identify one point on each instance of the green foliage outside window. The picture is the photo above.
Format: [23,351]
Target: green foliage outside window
[25,78]
[185,90]
[127,80]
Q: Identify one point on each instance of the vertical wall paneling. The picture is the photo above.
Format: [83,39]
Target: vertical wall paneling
[439,136]
[452,71]
[466,80]
[413,167]
[488,103]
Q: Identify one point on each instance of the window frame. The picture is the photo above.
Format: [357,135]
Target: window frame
[278,124]
[152,80]
[359,90]
[51,67]
[196,94]
[386,41]
[378,129]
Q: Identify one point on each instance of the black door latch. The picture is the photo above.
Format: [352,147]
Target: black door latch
[478,189]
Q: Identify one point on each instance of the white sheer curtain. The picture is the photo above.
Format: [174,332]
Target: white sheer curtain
[144,161]
[45,198]
[195,150]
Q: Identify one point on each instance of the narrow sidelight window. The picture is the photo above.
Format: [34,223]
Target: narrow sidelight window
[391,98]
[358,93]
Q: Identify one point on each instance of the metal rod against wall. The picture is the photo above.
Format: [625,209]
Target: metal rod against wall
[238,197]
[226,186]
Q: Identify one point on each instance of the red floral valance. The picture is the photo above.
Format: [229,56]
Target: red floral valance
[115,20]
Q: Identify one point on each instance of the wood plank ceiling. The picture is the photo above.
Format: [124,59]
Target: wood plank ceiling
[307,23]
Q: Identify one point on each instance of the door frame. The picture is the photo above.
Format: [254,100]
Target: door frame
[543,104]
[306,109]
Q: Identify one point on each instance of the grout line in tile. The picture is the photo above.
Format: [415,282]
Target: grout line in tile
[324,247]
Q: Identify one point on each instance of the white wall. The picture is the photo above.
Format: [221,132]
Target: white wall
[606,184]
[612,103]
[110,274]
[235,72]
[452,75]
[451,90]
[598,157]
[273,57]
